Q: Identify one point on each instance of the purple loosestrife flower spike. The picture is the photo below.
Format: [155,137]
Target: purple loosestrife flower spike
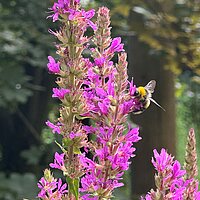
[191,156]
[102,34]
[170,181]
[94,88]
[71,69]
[191,168]
[109,102]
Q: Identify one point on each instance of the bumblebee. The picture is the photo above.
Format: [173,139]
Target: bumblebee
[143,97]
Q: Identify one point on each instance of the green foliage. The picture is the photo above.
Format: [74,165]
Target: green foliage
[73,185]
[24,45]
[32,155]
[12,84]
[171,28]
[17,187]
[188,108]
[47,136]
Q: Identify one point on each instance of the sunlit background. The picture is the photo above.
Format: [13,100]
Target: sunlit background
[162,38]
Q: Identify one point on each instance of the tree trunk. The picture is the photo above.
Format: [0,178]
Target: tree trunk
[157,127]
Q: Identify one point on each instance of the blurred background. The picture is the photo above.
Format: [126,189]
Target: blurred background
[162,38]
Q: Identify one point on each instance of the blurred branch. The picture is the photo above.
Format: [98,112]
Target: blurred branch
[29,126]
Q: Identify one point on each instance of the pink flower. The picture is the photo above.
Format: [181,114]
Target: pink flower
[104,106]
[55,128]
[132,88]
[116,45]
[53,66]
[83,16]
[46,187]
[102,153]
[104,134]
[58,162]
[51,189]
[61,189]
[58,8]
[60,93]
[101,92]
[162,160]
[121,159]
[62,7]
[176,170]
[133,135]
[126,106]
[88,15]
[94,181]
[100,61]
[147,197]
[90,182]
[88,197]
[87,163]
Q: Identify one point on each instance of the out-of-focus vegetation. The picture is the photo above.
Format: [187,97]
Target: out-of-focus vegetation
[17,186]
[170,28]
[25,44]
[188,109]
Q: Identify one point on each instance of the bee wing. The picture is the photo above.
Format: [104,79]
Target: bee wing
[151,86]
[157,104]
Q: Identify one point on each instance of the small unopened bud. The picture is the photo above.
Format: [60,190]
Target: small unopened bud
[48,176]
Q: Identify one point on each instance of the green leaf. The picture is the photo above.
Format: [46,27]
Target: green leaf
[77,150]
[76,187]
[63,149]
[67,142]
[73,186]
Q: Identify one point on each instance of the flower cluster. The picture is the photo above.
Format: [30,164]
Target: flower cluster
[68,9]
[97,88]
[91,87]
[171,181]
[51,188]
[169,178]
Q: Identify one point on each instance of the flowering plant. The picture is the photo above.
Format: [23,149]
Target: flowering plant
[172,182]
[94,88]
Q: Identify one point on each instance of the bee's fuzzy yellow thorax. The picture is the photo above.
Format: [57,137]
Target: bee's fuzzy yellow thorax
[142,91]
